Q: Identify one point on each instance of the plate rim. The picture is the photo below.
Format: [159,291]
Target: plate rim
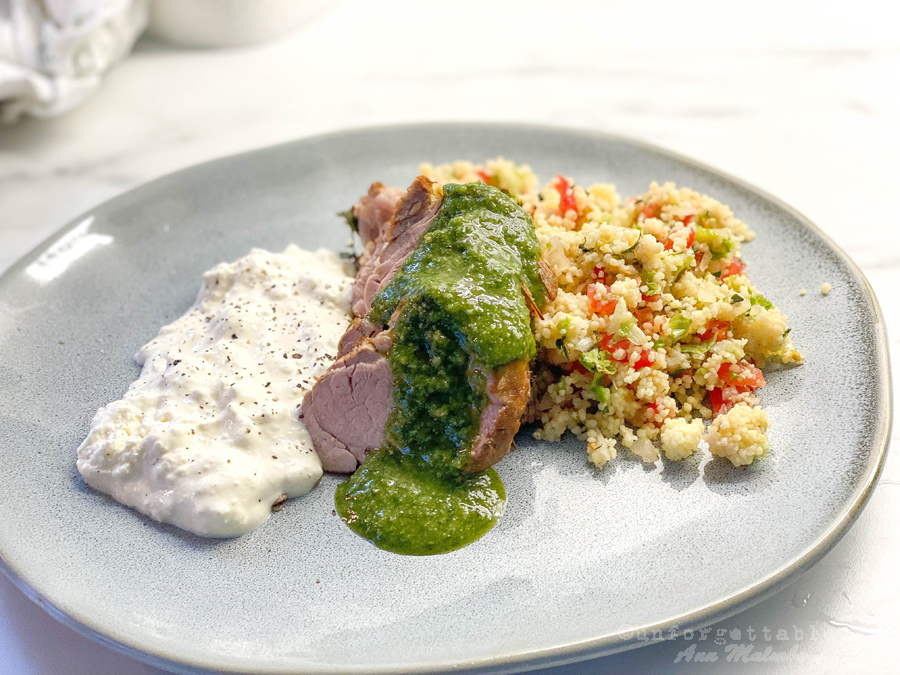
[570,652]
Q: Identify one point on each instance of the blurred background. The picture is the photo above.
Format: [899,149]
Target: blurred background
[800,98]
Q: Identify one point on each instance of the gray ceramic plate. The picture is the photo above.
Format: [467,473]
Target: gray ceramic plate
[581,563]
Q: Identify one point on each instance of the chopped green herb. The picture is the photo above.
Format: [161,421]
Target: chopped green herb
[561,344]
[785,333]
[718,255]
[758,299]
[719,243]
[564,324]
[682,268]
[626,331]
[350,218]
[648,277]
[598,391]
[631,248]
[598,361]
[679,326]
[709,236]
[736,298]
[699,348]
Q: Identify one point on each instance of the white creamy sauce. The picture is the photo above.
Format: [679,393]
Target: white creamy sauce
[208,438]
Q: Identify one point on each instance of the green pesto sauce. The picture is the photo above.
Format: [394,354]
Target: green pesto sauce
[438,395]
[472,261]
[400,505]
[461,314]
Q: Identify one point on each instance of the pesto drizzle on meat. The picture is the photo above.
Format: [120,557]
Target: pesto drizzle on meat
[458,312]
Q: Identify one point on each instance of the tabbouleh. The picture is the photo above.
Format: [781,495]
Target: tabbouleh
[656,326]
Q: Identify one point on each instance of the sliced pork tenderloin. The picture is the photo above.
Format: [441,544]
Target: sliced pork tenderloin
[508,389]
[358,330]
[374,211]
[345,412]
[384,255]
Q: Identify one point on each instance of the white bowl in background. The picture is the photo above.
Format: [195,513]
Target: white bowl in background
[229,23]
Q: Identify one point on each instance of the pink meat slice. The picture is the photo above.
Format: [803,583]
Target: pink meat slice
[385,254]
[358,330]
[345,412]
[374,211]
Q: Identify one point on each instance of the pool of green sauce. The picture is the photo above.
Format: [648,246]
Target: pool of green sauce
[461,313]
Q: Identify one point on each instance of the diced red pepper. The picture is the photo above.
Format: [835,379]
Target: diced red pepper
[714,329]
[722,399]
[651,210]
[698,256]
[601,307]
[656,408]
[738,378]
[741,376]
[687,219]
[612,347]
[736,267]
[643,362]
[643,315]
[484,176]
[690,238]
[592,291]
[649,298]
[607,308]
[717,400]
[566,195]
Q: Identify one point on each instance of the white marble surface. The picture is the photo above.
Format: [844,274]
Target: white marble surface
[800,98]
